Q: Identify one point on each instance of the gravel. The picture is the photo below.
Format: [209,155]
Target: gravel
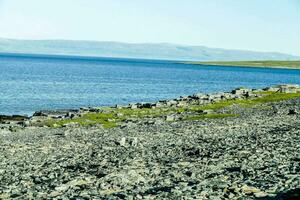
[253,156]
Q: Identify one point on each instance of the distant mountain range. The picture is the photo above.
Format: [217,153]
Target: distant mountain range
[127,50]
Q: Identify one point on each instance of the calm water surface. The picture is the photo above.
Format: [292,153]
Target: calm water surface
[29,83]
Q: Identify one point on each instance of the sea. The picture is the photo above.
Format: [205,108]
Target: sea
[29,83]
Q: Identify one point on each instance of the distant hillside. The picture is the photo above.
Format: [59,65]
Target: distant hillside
[147,51]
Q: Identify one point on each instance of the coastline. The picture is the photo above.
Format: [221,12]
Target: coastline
[182,108]
[293,65]
[241,144]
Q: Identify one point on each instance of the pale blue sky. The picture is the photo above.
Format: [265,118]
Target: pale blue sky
[264,25]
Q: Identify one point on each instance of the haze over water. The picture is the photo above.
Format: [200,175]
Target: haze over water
[29,83]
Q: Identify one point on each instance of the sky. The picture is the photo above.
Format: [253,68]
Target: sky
[260,25]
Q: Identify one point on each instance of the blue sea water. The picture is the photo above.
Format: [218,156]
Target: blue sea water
[29,82]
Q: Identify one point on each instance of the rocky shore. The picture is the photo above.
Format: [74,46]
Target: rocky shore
[243,144]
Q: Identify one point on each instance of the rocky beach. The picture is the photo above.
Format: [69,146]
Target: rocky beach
[242,144]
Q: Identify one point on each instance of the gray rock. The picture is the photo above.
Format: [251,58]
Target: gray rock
[293,112]
[133,106]
[288,88]
[200,96]
[205,112]
[119,106]
[158,105]
[241,91]
[271,89]
[171,118]
[134,142]
[123,142]
[146,105]
[172,103]
[71,124]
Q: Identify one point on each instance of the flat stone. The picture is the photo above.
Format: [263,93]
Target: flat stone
[250,190]
[123,142]
[260,194]
[170,118]
[171,103]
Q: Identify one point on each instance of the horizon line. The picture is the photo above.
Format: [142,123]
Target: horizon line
[151,43]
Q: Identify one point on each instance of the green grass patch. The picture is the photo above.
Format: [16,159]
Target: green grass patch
[148,112]
[111,117]
[269,97]
[266,98]
[213,106]
[108,120]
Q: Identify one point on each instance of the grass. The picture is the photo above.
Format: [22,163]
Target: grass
[214,106]
[108,120]
[145,112]
[270,97]
[261,64]
[112,117]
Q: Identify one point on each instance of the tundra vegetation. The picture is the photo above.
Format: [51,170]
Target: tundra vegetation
[111,117]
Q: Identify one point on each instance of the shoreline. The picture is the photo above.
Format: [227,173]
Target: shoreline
[183,108]
[292,65]
[242,144]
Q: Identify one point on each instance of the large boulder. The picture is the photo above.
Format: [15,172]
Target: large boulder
[227,96]
[171,118]
[146,105]
[54,113]
[271,89]
[241,91]
[133,106]
[172,103]
[289,88]
[159,105]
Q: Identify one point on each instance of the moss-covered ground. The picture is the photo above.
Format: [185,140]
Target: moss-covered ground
[112,116]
